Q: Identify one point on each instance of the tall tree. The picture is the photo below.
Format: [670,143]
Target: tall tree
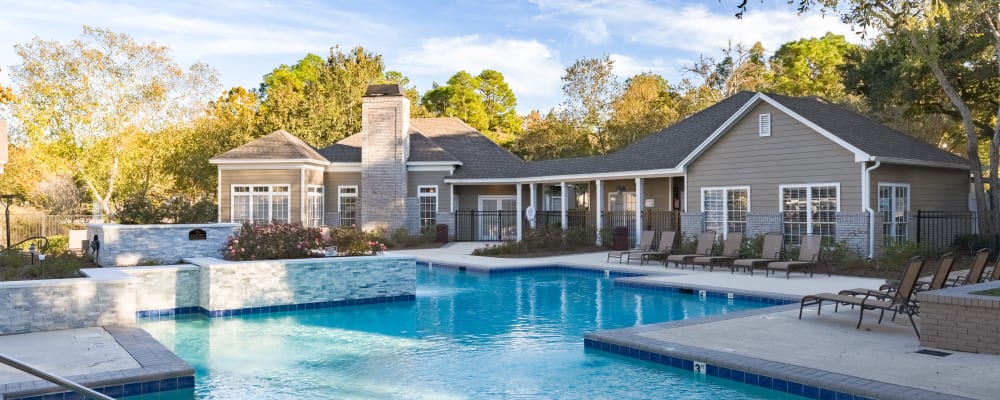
[550,137]
[484,101]
[812,67]
[590,87]
[647,105]
[86,105]
[741,68]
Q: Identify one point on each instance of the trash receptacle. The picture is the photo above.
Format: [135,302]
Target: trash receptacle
[442,233]
[619,238]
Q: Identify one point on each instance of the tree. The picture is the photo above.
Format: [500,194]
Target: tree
[417,110]
[550,137]
[88,105]
[740,68]
[812,67]
[499,103]
[590,87]
[320,102]
[459,98]
[647,105]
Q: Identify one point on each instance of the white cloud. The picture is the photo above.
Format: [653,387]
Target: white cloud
[594,31]
[530,68]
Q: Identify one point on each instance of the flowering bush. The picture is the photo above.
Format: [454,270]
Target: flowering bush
[274,241]
[351,241]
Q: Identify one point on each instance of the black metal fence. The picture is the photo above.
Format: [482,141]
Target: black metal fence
[948,230]
[23,226]
[475,225]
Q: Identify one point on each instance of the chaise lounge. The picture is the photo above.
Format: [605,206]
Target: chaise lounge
[806,261]
[664,248]
[706,240]
[771,252]
[645,242]
[730,251]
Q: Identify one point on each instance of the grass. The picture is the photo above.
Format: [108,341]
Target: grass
[990,292]
[18,267]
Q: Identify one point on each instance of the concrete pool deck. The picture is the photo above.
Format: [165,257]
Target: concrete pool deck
[826,350]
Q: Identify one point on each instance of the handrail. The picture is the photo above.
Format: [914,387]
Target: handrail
[15,245]
[70,385]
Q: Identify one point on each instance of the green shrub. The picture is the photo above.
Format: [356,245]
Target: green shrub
[896,252]
[274,241]
[352,241]
[688,244]
[56,244]
[14,266]
[402,238]
[155,209]
[542,239]
[752,247]
[968,244]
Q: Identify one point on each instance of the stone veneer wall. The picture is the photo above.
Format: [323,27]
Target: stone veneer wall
[955,319]
[54,304]
[125,245]
[115,296]
[384,151]
[691,224]
[229,285]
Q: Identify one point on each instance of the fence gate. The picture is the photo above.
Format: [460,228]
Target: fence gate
[480,225]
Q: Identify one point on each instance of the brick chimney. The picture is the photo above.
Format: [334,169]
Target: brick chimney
[385,147]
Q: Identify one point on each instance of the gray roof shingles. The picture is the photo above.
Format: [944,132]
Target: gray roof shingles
[279,145]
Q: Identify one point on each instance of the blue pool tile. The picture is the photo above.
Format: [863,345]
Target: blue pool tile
[764,381]
[185,382]
[687,365]
[168,384]
[725,373]
[132,389]
[750,378]
[73,396]
[738,376]
[711,370]
[811,392]
[845,396]
[151,387]
[644,355]
[54,396]
[656,358]
[827,394]
[613,348]
[676,362]
[794,388]
[113,391]
[779,384]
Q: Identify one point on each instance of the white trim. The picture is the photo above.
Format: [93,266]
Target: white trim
[344,167]
[302,196]
[258,161]
[322,204]
[340,196]
[893,186]
[725,203]
[451,189]
[251,167]
[425,163]
[866,203]
[520,218]
[933,164]
[652,173]
[424,168]
[743,110]
[437,201]
[781,191]
[764,121]
[701,204]
[270,192]
[218,195]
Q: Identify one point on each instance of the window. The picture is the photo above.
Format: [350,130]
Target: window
[764,125]
[260,204]
[809,210]
[726,209]
[347,205]
[621,201]
[314,206]
[428,196]
[894,207]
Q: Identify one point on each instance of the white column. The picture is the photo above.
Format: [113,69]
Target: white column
[599,194]
[639,206]
[532,188]
[520,218]
[451,200]
[564,219]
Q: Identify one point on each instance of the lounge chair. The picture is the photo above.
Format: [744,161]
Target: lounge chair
[645,243]
[900,301]
[730,251]
[706,240]
[938,281]
[664,248]
[995,275]
[975,274]
[771,252]
[807,259]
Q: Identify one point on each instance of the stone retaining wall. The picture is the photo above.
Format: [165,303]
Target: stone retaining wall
[127,245]
[116,296]
[227,285]
[954,319]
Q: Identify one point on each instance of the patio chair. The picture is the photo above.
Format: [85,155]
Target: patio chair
[899,301]
[706,240]
[976,270]
[938,281]
[664,248]
[995,275]
[771,252]
[645,243]
[807,259]
[730,251]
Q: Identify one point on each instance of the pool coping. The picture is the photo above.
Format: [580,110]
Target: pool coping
[803,381]
[159,370]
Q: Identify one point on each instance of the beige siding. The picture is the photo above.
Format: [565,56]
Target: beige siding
[433,178]
[331,180]
[290,177]
[931,189]
[793,154]
[468,196]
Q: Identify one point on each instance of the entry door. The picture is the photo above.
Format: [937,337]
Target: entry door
[498,218]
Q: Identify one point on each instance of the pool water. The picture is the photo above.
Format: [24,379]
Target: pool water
[467,336]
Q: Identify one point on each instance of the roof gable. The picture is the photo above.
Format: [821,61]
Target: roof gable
[422,149]
[277,146]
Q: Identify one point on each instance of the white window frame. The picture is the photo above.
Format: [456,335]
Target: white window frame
[892,223]
[315,198]
[437,204]
[340,202]
[725,221]
[809,204]
[764,125]
[271,194]
[625,197]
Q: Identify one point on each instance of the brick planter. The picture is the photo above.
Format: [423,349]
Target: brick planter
[954,319]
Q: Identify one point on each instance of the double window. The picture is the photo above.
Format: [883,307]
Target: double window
[725,209]
[260,204]
[428,197]
[314,205]
[894,207]
[347,205]
[809,210]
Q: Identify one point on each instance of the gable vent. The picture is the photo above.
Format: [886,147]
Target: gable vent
[765,125]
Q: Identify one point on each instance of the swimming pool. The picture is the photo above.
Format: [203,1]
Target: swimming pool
[467,335]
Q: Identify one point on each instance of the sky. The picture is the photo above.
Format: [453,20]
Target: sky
[531,42]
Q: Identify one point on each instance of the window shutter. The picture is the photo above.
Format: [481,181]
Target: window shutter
[765,125]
